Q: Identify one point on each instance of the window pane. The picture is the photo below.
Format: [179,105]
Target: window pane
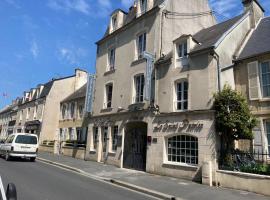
[184,149]
[265,67]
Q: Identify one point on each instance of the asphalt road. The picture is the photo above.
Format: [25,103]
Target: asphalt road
[39,181]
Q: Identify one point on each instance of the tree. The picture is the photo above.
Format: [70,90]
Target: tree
[234,119]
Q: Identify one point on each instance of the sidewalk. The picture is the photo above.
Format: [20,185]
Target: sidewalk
[182,189]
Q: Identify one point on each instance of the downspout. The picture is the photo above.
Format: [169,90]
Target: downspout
[216,57]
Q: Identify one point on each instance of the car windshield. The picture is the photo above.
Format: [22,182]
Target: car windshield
[26,139]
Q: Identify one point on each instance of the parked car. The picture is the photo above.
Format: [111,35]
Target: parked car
[10,194]
[22,145]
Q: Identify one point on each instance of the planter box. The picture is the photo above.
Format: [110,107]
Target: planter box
[78,153]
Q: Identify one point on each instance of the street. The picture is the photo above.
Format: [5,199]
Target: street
[39,181]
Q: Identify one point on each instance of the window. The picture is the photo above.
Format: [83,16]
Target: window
[111,59]
[139,88]
[21,115]
[182,50]
[35,112]
[70,134]
[265,79]
[114,23]
[267,128]
[27,113]
[105,136]
[95,137]
[24,139]
[182,95]
[109,90]
[183,149]
[64,108]
[79,134]
[141,45]
[143,6]
[81,111]
[72,110]
[114,138]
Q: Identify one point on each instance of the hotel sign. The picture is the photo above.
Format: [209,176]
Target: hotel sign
[184,125]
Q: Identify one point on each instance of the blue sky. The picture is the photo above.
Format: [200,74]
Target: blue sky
[44,39]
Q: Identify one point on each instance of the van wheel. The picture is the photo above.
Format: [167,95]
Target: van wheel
[33,159]
[7,157]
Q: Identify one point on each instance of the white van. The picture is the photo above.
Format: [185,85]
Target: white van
[22,145]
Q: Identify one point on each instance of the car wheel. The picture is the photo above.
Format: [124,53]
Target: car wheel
[7,157]
[33,159]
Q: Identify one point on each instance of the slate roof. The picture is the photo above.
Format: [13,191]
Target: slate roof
[209,36]
[259,42]
[80,93]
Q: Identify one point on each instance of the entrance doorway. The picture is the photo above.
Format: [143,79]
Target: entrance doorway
[135,146]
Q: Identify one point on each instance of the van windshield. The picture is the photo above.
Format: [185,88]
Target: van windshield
[26,139]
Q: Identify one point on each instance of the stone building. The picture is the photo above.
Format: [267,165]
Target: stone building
[8,117]
[158,67]
[252,78]
[39,109]
[72,133]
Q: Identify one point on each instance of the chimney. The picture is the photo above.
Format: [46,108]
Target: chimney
[255,9]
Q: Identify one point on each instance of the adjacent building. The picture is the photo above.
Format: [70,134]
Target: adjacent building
[8,117]
[252,78]
[72,132]
[38,111]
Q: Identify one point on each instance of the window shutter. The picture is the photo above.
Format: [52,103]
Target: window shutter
[253,80]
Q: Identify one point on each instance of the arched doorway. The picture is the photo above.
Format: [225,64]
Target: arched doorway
[135,146]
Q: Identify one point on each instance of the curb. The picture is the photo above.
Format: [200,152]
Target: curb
[143,190]
[113,181]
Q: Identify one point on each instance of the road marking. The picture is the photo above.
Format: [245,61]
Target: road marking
[100,180]
[3,194]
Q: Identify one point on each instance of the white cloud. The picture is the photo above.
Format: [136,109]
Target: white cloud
[127,3]
[34,49]
[70,5]
[72,55]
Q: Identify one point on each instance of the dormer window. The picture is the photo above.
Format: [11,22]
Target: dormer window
[143,6]
[114,23]
[182,50]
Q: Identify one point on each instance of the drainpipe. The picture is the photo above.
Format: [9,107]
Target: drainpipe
[216,57]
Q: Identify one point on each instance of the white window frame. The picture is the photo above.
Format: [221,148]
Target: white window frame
[261,79]
[114,137]
[106,96]
[28,110]
[35,111]
[72,110]
[182,100]
[111,66]
[141,48]
[114,25]
[95,135]
[139,93]
[184,49]
[80,111]
[267,142]
[64,111]
[168,156]
[143,7]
